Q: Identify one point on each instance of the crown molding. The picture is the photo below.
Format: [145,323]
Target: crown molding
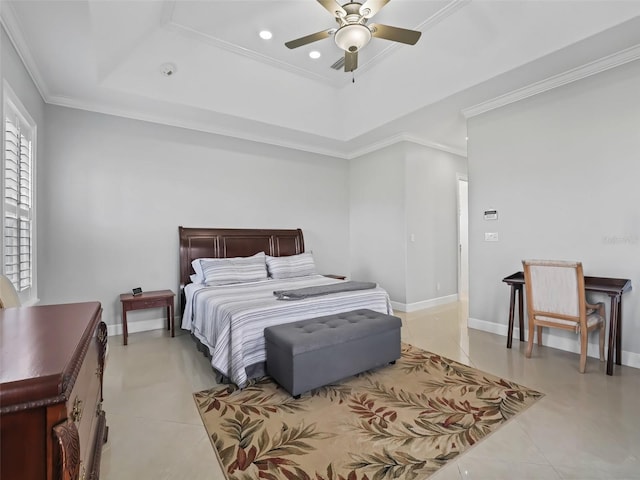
[246,135]
[205,127]
[11,25]
[592,68]
[404,137]
[436,146]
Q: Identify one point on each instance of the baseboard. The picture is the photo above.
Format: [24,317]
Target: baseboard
[434,302]
[629,359]
[141,326]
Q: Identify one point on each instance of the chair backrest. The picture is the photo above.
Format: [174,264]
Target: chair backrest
[8,295]
[555,288]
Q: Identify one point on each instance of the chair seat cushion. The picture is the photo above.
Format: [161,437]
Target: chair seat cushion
[592,320]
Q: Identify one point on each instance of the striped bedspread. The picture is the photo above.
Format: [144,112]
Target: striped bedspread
[230,320]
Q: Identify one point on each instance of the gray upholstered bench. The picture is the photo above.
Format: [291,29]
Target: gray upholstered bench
[311,353]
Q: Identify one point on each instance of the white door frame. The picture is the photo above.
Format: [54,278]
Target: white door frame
[462,188]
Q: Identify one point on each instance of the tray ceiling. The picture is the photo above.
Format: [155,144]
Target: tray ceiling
[107,56]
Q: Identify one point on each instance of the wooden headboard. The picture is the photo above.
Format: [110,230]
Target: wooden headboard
[233,242]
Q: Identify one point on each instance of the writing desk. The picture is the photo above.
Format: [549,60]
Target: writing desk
[613,287]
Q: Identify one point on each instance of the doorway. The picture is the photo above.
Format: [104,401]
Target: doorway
[463,238]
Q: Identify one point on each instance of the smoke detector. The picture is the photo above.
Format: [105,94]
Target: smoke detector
[168,69]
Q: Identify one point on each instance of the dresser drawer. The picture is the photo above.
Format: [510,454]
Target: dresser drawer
[83,402]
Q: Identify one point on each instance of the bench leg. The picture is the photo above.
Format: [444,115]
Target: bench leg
[297,397]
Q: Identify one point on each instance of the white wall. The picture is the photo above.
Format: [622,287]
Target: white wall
[562,170]
[114,192]
[432,218]
[377,219]
[399,191]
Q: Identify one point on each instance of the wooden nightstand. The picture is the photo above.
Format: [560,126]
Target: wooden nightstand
[159,298]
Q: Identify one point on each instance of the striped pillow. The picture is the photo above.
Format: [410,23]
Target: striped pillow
[225,271]
[300,265]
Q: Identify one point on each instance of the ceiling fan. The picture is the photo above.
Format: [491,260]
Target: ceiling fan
[353,32]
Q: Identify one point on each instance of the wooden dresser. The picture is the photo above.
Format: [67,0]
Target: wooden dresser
[51,367]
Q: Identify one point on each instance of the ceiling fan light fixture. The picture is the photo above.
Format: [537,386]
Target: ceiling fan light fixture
[352,37]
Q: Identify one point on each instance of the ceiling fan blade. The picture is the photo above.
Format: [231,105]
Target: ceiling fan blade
[373,6]
[395,34]
[314,37]
[350,61]
[333,7]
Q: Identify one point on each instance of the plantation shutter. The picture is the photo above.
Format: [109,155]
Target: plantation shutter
[18,202]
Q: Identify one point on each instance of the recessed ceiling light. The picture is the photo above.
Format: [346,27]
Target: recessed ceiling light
[266,35]
[315,54]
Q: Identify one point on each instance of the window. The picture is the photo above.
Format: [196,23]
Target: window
[18,182]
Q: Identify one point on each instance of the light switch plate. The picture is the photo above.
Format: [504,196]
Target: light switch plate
[490,236]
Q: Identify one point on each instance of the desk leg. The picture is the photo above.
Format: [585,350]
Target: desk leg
[512,302]
[521,312]
[613,333]
[125,333]
[619,332]
[172,319]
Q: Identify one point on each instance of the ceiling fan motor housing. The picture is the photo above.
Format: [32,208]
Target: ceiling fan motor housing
[353,34]
[353,37]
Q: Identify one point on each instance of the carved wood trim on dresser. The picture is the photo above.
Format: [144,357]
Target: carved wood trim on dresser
[52,425]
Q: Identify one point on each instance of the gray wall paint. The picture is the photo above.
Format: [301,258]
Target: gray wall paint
[395,192]
[377,219]
[562,170]
[432,217]
[116,191]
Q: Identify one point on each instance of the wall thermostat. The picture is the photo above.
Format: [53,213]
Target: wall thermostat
[490,214]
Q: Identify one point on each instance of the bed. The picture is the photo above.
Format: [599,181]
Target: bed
[228,320]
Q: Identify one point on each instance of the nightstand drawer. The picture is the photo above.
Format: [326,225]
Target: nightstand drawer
[147,303]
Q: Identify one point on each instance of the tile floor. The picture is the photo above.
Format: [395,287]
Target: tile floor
[586,427]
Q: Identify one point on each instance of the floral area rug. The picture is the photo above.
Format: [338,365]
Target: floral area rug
[402,421]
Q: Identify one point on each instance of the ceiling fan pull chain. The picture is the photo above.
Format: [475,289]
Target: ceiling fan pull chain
[353,77]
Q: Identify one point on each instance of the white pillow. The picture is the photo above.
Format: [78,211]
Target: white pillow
[301,265]
[195,278]
[225,271]
[197,267]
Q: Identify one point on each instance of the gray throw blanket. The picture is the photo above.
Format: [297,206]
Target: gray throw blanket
[315,291]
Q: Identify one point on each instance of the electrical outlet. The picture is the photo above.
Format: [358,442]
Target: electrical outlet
[490,236]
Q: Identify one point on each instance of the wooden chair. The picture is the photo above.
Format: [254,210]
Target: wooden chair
[556,298]
[8,294]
